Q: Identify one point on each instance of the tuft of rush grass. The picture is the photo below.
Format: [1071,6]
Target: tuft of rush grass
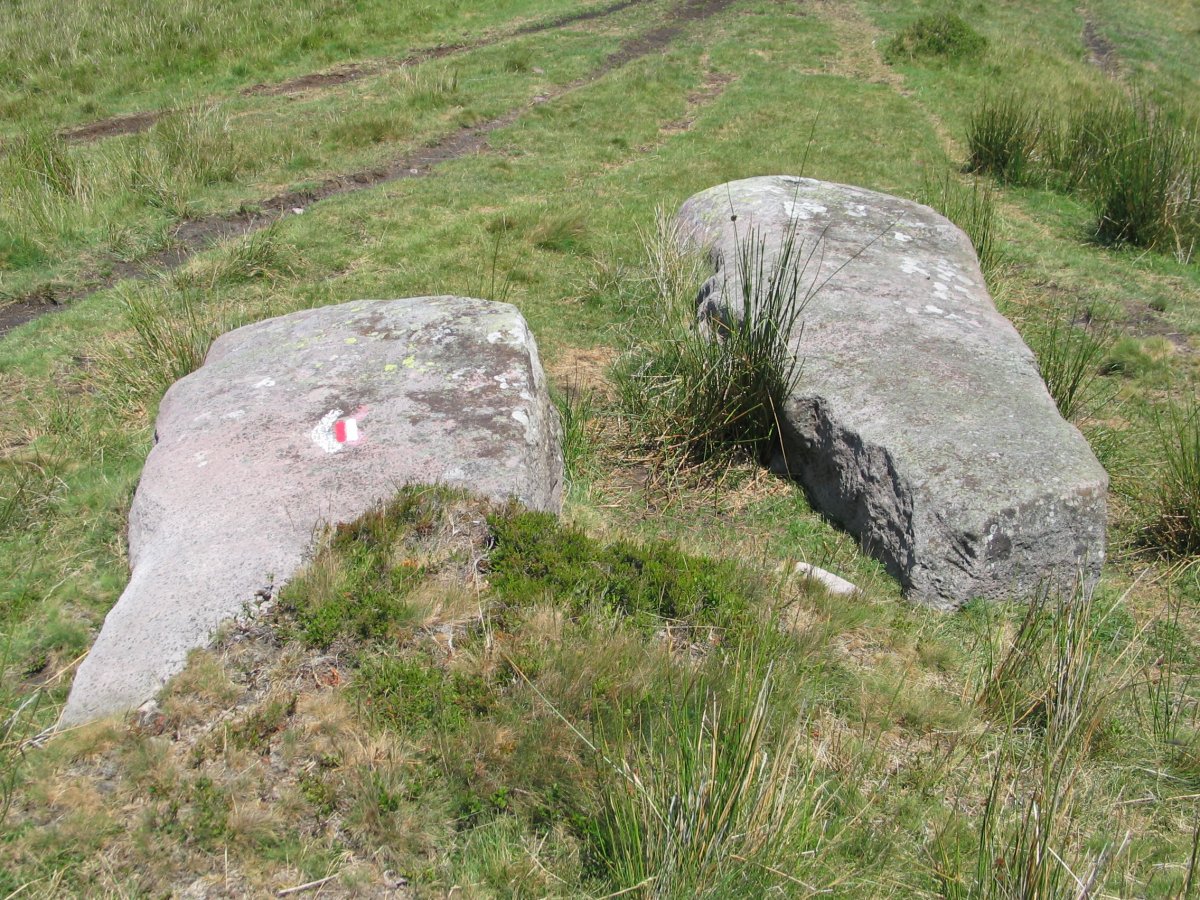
[40,158]
[171,321]
[577,410]
[1167,703]
[972,207]
[1048,690]
[54,196]
[1075,148]
[171,333]
[1173,526]
[46,196]
[185,150]
[1002,137]
[672,270]
[15,731]
[1136,162]
[936,36]
[716,385]
[1147,186]
[706,799]
[1048,674]
[1071,345]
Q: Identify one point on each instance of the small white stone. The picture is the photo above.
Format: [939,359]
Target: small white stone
[835,584]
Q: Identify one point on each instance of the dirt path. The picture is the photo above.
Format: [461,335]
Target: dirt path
[859,59]
[1102,53]
[196,235]
[142,121]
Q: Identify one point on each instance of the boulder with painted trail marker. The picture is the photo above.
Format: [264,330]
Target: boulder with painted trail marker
[302,421]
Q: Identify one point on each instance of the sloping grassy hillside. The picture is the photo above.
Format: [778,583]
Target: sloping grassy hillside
[459,699]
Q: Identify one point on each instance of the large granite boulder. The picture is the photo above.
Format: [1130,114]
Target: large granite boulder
[305,420]
[920,422]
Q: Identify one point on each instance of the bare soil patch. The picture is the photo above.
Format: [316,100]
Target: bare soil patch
[578,370]
[111,127]
[1102,53]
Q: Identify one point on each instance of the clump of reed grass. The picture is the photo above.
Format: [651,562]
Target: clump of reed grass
[171,321]
[1002,138]
[1173,522]
[47,193]
[1166,702]
[1045,692]
[1138,163]
[43,159]
[972,207]
[1074,148]
[707,389]
[1071,345]
[576,410]
[706,800]
[1147,185]
[185,149]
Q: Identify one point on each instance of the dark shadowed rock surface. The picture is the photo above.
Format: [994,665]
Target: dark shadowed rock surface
[920,422]
[301,421]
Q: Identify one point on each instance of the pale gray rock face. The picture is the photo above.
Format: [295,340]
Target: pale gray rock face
[301,421]
[920,422]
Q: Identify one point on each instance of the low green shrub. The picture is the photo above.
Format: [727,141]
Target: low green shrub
[936,36]
[536,558]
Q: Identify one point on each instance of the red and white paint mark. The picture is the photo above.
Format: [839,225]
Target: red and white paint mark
[335,430]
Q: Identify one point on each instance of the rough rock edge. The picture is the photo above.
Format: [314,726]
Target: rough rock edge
[814,441]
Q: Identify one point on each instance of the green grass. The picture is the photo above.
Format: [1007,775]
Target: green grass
[82,61]
[459,695]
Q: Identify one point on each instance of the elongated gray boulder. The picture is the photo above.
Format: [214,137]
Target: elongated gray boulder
[301,421]
[920,422]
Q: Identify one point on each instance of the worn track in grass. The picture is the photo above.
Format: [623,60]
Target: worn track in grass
[196,235]
[1102,53]
[142,121]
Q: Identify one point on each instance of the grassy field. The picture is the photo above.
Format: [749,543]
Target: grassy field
[639,700]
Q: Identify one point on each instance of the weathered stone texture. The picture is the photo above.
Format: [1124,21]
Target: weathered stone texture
[920,422]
